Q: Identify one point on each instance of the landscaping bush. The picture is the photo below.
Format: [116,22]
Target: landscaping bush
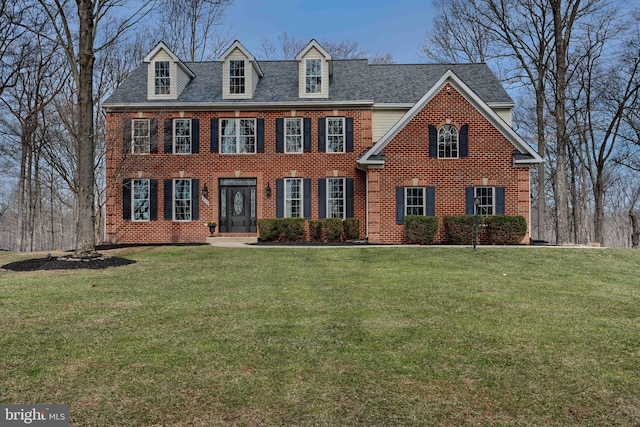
[281,229]
[420,229]
[332,229]
[268,230]
[315,230]
[506,229]
[459,228]
[351,228]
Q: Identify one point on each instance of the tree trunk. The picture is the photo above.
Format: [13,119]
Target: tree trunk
[635,229]
[85,244]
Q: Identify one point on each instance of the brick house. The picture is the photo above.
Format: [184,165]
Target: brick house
[238,139]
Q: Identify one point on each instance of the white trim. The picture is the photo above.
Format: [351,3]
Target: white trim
[313,44]
[209,106]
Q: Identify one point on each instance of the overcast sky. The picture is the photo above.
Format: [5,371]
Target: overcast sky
[397,27]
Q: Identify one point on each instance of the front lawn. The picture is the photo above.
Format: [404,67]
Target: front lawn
[205,336]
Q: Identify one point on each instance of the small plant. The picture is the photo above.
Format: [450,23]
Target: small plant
[460,228]
[332,229]
[506,229]
[268,230]
[351,228]
[315,230]
[420,229]
[211,223]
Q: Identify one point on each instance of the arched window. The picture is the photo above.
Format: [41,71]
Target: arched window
[448,142]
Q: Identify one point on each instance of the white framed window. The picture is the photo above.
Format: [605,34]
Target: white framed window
[237,136]
[182,136]
[293,135]
[140,136]
[313,75]
[236,76]
[335,135]
[182,200]
[140,200]
[486,200]
[414,201]
[448,142]
[293,196]
[162,73]
[336,198]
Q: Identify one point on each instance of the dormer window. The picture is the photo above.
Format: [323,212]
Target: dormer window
[236,77]
[313,77]
[162,78]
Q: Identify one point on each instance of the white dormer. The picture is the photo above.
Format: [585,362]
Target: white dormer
[240,72]
[314,69]
[167,76]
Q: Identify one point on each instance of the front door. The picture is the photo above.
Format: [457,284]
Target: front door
[237,205]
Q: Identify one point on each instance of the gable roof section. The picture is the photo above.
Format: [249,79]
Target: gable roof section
[529,156]
[161,46]
[237,45]
[313,44]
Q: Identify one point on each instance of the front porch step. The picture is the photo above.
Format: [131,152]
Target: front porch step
[228,241]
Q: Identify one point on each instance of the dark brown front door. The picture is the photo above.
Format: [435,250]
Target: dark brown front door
[237,205]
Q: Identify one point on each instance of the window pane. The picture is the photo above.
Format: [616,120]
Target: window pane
[335,198]
[247,136]
[140,136]
[182,199]
[485,195]
[293,198]
[414,201]
[448,141]
[293,135]
[236,77]
[228,136]
[313,76]
[335,135]
[182,136]
[162,78]
[140,196]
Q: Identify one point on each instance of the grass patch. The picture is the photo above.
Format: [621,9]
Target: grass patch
[192,336]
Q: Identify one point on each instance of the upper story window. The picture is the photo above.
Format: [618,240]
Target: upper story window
[162,78]
[182,200]
[414,201]
[237,136]
[313,76]
[485,199]
[236,77]
[448,142]
[182,136]
[335,135]
[140,136]
[293,197]
[293,135]
[141,200]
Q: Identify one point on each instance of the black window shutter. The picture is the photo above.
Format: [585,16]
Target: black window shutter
[322,143]
[126,137]
[349,184]
[126,199]
[279,198]
[322,198]
[153,136]
[430,193]
[349,134]
[153,199]
[260,135]
[280,135]
[500,202]
[306,141]
[195,135]
[399,205]
[433,141]
[306,202]
[195,199]
[168,199]
[464,141]
[168,136]
[214,136]
[469,196]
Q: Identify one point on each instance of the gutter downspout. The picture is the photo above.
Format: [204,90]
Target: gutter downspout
[366,196]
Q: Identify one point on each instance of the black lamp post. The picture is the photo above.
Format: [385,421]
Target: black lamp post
[205,191]
[476,203]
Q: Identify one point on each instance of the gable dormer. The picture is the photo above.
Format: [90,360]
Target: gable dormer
[314,70]
[240,72]
[167,76]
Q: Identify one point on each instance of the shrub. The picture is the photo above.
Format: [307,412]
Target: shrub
[281,229]
[420,229]
[268,229]
[459,228]
[315,230]
[506,229]
[351,228]
[332,229]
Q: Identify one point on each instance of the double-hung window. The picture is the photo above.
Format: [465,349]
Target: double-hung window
[486,202]
[238,136]
[313,77]
[182,136]
[162,78]
[336,198]
[236,77]
[182,200]
[293,197]
[335,135]
[448,142]
[293,135]
[140,136]
[414,201]
[141,200]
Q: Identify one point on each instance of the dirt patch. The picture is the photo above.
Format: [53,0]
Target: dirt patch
[68,262]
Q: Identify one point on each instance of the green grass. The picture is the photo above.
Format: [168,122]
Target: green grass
[202,336]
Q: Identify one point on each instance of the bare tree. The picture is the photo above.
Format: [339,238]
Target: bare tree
[189,27]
